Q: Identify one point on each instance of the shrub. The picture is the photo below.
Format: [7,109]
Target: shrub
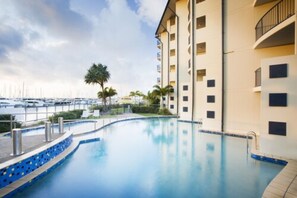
[164,111]
[69,115]
[5,126]
[145,109]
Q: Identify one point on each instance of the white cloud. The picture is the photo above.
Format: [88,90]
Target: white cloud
[151,10]
[53,61]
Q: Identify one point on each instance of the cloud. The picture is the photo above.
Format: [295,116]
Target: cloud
[150,11]
[55,16]
[62,39]
[10,39]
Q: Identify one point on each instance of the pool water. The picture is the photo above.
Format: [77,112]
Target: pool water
[157,158]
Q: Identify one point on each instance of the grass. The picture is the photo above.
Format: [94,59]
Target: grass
[148,114]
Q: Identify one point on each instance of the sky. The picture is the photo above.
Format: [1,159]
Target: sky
[47,46]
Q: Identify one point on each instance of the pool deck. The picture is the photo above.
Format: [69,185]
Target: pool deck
[283,185]
[29,143]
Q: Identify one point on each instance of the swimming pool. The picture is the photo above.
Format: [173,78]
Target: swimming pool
[157,158]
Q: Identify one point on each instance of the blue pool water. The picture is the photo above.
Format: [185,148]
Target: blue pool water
[157,158]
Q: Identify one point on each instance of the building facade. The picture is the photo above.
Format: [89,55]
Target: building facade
[233,66]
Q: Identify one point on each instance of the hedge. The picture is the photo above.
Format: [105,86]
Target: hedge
[69,115]
[5,126]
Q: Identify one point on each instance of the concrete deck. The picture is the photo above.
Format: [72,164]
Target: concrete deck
[29,143]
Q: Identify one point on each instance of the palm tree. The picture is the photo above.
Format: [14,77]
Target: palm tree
[151,98]
[102,95]
[160,92]
[136,95]
[109,91]
[98,74]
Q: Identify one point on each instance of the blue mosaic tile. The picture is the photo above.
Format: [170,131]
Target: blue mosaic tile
[29,183]
[18,170]
[269,159]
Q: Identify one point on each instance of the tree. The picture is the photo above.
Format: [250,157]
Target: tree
[109,91]
[98,74]
[160,92]
[136,95]
[102,95]
[151,98]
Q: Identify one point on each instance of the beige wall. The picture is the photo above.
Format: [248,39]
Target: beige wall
[242,105]
[211,61]
[285,146]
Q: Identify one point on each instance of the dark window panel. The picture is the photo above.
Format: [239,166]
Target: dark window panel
[278,128]
[211,99]
[210,114]
[277,99]
[278,71]
[211,83]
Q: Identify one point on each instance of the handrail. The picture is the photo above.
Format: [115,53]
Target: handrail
[276,15]
[252,133]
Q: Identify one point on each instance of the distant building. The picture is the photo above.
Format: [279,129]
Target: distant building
[233,66]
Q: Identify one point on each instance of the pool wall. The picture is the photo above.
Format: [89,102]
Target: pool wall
[21,166]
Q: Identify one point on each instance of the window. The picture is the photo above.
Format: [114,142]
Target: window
[200,22]
[172,68]
[211,83]
[200,74]
[278,71]
[172,83]
[171,106]
[185,88]
[172,52]
[171,98]
[172,21]
[277,99]
[201,48]
[277,128]
[172,37]
[211,99]
[199,1]
[185,109]
[185,98]
[210,114]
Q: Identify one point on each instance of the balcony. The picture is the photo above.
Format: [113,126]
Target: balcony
[158,68]
[158,44]
[158,80]
[277,26]
[257,87]
[159,56]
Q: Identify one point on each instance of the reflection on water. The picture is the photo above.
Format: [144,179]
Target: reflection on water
[158,158]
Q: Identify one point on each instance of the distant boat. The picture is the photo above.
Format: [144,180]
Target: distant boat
[34,103]
[5,102]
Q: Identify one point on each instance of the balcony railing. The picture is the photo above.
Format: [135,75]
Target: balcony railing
[158,44]
[258,77]
[277,14]
[159,56]
[158,68]
[158,80]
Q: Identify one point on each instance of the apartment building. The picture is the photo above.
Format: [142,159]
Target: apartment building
[233,66]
